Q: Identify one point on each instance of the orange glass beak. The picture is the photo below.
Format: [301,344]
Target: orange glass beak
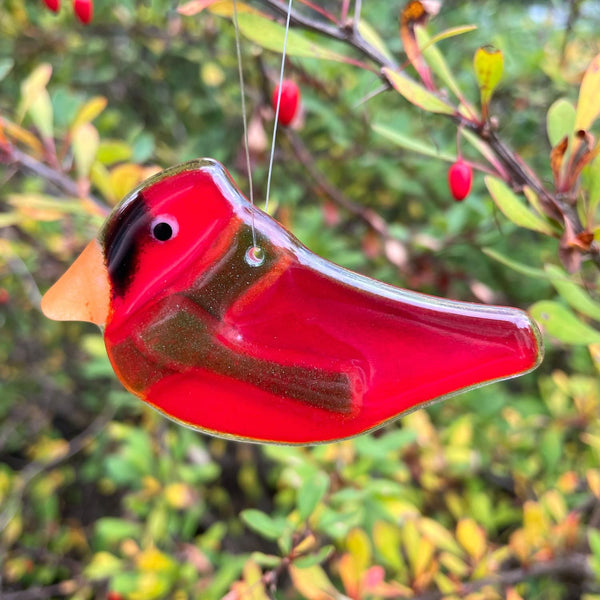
[83,292]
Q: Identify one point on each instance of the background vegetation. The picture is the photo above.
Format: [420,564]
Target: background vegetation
[493,494]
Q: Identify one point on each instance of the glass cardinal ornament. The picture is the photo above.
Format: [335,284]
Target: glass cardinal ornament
[269,342]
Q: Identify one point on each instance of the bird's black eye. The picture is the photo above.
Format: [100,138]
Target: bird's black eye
[164,228]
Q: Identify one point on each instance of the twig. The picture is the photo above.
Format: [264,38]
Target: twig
[398,255]
[573,567]
[34,469]
[64,588]
[61,181]
[344,33]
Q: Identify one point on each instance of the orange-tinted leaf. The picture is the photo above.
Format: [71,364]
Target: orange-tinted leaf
[415,13]
[556,160]
[588,105]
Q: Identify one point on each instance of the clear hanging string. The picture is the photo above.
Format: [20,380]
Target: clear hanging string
[244,115]
[287,28]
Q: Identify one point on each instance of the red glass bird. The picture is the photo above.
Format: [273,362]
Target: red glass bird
[270,342]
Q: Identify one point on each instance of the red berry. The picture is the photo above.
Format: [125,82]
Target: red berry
[84,9]
[112,595]
[290,99]
[460,178]
[53,5]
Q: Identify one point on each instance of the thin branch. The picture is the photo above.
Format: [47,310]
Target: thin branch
[30,472]
[348,34]
[395,250]
[573,567]
[64,588]
[62,182]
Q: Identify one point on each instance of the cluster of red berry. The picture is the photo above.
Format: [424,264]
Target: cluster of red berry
[460,174]
[83,9]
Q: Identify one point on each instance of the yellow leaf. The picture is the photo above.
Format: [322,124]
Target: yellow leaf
[424,556]
[386,538]
[535,523]
[555,504]
[85,147]
[488,64]
[454,564]
[416,94]
[313,583]
[410,542]
[179,495]
[89,111]
[154,560]
[359,548]
[471,537]
[18,134]
[439,535]
[252,587]
[124,178]
[32,86]
[588,105]
[593,480]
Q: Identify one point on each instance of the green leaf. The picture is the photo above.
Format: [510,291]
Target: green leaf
[113,151]
[434,56]
[591,179]
[513,208]
[488,63]
[412,143]
[317,558]
[514,265]
[573,293]
[416,94]
[103,564]
[270,35]
[588,104]
[311,492]
[6,64]
[594,540]
[42,114]
[263,524]
[109,531]
[560,121]
[562,324]
[270,561]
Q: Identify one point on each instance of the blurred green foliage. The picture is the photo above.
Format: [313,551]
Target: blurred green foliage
[493,494]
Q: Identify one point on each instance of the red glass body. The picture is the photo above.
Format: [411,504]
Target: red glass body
[301,351]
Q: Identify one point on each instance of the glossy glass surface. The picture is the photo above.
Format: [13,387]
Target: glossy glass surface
[290,348]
